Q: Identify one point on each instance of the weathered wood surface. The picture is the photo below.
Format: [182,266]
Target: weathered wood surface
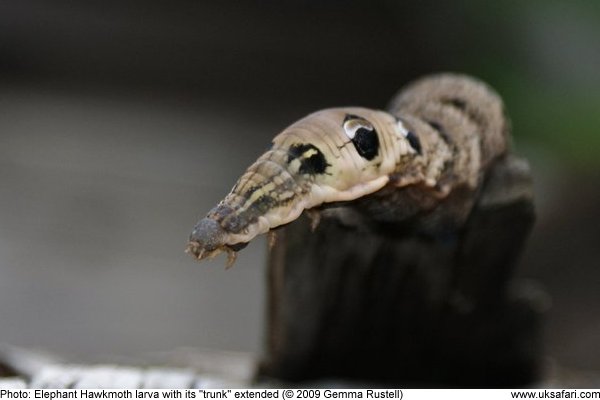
[410,308]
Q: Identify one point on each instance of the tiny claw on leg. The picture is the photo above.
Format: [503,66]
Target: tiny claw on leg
[231,257]
[195,250]
[272,239]
[315,218]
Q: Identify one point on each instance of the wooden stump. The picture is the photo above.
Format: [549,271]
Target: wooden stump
[410,309]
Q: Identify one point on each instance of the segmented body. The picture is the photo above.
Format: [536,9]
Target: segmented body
[423,159]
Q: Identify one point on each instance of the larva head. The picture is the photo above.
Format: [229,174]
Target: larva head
[345,153]
[334,155]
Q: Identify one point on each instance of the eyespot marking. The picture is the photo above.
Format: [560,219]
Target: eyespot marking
[366,143]
[410,136]
[312,160]
[352,123]
[414,142]
[363,135]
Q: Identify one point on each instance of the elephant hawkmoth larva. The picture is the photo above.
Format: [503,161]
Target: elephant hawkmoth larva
[424,158]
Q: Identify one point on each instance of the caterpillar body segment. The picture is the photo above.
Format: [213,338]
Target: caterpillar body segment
[458,100]
[425,158]
[333,155]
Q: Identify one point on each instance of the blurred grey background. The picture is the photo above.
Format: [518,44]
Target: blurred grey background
[123,122]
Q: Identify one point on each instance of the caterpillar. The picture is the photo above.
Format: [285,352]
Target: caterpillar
[424,159]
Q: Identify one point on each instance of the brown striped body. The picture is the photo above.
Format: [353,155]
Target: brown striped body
[424,158]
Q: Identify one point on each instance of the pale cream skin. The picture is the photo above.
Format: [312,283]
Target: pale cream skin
[442,134]
[348,175]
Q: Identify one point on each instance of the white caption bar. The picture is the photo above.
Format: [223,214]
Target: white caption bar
[300,394]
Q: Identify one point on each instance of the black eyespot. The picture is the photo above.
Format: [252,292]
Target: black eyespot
[314,164]
[414,141]
[296,150]
[312,160]
[366,143]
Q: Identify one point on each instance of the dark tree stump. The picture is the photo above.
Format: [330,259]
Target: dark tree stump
[412,309]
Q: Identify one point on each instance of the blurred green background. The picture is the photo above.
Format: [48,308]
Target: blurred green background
[122,122]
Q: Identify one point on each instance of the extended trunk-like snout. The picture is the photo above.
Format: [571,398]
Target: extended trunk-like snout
[207,239]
